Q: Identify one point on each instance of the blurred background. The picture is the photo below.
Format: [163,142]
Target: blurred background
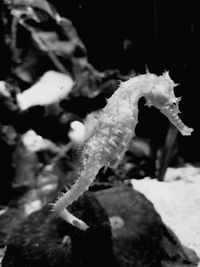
[132,35]
[162,35]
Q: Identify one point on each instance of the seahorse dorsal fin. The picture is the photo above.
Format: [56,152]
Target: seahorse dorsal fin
[91,123]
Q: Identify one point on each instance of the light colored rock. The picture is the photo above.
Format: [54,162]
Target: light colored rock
[51,88]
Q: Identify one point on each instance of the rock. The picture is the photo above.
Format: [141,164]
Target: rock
[9,219]
[174,253]
[46,240]
[137,242]
[178,203]
[140,238]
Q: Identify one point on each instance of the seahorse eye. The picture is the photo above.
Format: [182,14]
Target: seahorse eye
[161,101]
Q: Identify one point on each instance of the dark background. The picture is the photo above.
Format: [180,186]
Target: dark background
[130,35]
[164,35]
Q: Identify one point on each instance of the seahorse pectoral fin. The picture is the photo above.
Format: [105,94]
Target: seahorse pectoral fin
[115,162]
[171,112]
[118,160]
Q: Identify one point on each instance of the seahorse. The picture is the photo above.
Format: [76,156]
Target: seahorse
[114,127]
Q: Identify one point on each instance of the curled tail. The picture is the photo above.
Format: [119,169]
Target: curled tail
[85,179]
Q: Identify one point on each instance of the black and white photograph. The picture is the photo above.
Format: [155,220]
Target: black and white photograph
[99,133]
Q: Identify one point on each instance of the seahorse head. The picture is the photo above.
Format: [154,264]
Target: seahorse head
[161,95]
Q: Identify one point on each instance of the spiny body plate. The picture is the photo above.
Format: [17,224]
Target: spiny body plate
[109,142]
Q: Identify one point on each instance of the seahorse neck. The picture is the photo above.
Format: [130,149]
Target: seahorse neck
[130,92]
[140,85]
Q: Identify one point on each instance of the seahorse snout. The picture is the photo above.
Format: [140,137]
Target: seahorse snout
[171,112]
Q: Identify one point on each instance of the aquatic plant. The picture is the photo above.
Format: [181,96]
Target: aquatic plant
[109,131]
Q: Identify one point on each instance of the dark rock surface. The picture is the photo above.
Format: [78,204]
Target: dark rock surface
[9,219]
[45,240]
[140,238]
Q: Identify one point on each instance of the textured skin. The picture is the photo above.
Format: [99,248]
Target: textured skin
[114,127]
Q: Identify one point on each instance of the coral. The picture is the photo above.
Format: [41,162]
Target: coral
[114,127]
